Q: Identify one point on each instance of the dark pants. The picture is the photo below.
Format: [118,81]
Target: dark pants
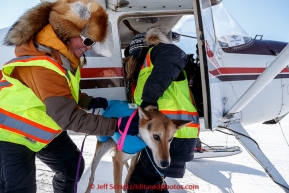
[18,170]
[145,178]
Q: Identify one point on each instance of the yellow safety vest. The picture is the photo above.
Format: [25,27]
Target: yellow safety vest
[176,102]
[23,118]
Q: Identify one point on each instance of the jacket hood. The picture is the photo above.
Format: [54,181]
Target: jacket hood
[47,37]
[153,36]
[156,35]
[68,18]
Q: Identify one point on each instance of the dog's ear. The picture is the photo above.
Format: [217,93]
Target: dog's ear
[180,123]
[144,114]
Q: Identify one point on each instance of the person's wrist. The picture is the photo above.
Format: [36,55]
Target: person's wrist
[144,104]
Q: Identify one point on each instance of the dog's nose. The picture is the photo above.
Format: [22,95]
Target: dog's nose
[165,164]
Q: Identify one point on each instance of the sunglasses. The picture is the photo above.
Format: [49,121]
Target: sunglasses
[87,41]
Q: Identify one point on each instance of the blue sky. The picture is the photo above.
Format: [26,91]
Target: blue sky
[10,10]
[257,17]
[262,17]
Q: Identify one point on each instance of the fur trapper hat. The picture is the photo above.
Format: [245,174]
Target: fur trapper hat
[69,18]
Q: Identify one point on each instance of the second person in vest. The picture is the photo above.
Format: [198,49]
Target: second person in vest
[155,75]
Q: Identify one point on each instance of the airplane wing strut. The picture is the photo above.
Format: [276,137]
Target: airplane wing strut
[252,147]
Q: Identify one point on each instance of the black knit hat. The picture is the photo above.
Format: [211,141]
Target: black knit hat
[138,42]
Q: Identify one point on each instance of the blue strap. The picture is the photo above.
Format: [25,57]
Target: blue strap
[162,175]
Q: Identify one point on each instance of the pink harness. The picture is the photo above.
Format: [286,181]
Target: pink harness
[120,141]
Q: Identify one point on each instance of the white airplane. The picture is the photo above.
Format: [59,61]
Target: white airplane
[240,80]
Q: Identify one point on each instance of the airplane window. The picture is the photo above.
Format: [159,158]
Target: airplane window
[104,49]
[228,32]
[186,33]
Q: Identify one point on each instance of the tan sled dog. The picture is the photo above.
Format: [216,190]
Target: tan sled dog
[156,130]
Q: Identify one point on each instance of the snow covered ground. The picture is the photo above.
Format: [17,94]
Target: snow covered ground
[238,173]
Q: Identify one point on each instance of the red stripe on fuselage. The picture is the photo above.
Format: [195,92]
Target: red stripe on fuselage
[244,71]
[223,71]
[101,72]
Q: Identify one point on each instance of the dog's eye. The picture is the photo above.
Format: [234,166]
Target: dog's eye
[171,139]
[156,137]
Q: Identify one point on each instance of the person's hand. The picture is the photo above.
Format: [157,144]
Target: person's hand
[144,104]
[133,126]
[98,102]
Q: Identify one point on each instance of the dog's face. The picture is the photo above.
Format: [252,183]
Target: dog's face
[157,131]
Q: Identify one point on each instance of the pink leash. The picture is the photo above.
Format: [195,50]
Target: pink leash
[120,141]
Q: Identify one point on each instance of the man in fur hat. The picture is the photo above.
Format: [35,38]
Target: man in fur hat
[155,71]
[39,94]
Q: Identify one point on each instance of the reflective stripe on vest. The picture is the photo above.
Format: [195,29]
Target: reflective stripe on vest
[147,61]
[182,115]
[22,126]
[179,107]
[4,83]
[73,85]
[35,58]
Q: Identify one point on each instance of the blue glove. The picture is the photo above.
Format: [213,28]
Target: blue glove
[98,102]
[133,127]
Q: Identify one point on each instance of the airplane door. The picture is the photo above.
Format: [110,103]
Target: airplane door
[207,45]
